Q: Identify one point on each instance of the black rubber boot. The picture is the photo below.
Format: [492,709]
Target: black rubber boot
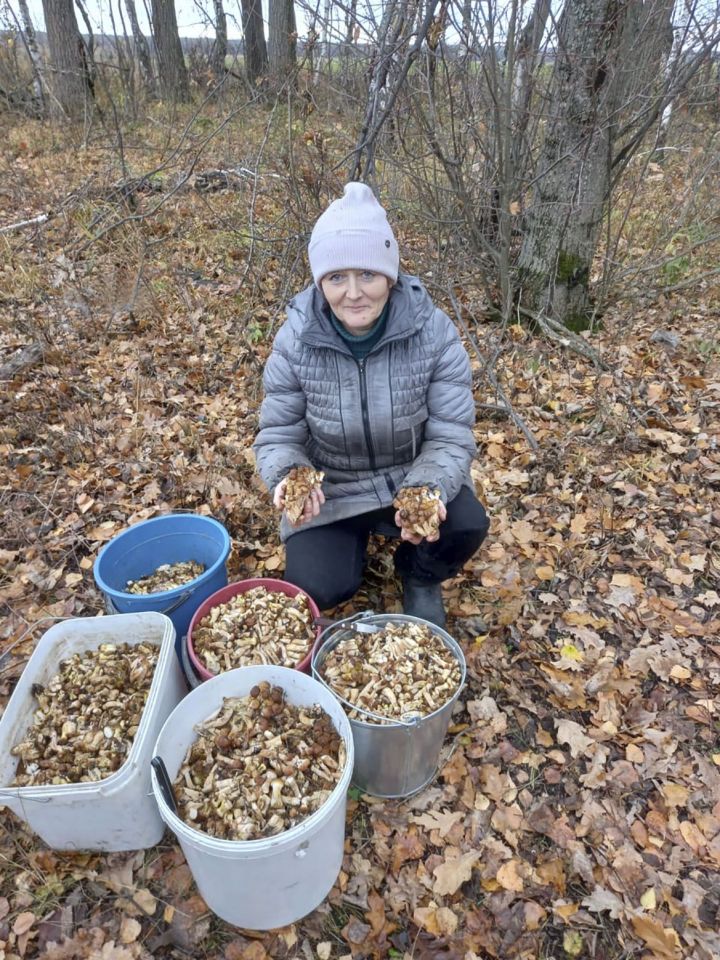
[423,599]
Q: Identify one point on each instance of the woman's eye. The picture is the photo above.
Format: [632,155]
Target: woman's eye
[336,277]
[368,275]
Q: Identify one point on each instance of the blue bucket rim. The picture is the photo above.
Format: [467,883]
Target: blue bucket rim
[165,594]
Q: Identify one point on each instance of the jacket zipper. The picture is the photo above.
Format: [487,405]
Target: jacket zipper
[365,415]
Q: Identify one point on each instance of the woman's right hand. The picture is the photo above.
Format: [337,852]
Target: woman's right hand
[313,502]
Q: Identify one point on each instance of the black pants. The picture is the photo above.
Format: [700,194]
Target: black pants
[327,561]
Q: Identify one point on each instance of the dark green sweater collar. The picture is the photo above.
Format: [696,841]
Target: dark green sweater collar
[360,346]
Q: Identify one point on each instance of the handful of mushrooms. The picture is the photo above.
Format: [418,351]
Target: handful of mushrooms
[87,716]
[418,507]
[259,626]
[259,766]
[300,483]
[399,672]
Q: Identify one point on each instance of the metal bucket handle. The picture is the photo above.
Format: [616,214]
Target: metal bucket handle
[178,601]
[332,641]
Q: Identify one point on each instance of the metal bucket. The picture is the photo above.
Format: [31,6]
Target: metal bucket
[393,758]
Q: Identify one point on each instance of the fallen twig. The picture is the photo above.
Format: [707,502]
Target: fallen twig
[21,224]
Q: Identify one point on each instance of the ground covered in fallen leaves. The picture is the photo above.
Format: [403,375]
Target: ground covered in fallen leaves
[576,812]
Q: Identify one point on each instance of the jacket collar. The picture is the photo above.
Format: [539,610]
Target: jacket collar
[410,308]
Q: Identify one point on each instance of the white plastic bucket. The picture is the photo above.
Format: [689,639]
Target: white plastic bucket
[259,884]
[119,812]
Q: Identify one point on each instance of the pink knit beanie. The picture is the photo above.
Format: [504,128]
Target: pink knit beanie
[353,234]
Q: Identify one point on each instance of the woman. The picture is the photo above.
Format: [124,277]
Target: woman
[369,382]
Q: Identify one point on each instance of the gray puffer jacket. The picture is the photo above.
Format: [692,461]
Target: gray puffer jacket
[401,417]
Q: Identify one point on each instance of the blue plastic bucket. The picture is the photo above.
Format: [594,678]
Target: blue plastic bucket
[142,548]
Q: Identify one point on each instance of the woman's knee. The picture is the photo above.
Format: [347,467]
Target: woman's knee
[468,516]
[327,583]
[326,592]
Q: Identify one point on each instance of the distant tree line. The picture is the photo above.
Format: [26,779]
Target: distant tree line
[515,124]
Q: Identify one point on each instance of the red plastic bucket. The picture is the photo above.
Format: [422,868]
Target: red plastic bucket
[232,590]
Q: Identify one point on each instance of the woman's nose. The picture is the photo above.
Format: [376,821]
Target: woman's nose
[353,289]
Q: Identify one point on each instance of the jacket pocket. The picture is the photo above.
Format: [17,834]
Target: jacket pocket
[409,433]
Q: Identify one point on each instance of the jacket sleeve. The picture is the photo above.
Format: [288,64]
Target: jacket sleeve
[281,440]
[448,444]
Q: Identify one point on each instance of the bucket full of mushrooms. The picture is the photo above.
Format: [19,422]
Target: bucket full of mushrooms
[398,678]
[169,564]
[251,772]
[257,621]
[77,736]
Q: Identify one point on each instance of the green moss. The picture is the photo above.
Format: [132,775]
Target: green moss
[569,266]
[577,322]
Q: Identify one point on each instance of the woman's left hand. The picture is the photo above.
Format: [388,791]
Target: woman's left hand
[416,539]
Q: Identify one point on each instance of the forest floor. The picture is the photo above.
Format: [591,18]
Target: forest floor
[576,812]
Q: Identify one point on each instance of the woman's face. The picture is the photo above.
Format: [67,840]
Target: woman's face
[356,297]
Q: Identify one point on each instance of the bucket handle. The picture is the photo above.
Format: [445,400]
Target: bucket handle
[410,723]
[413,719]
[178,601]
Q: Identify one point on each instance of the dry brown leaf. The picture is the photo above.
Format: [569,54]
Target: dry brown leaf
[662,940]
[146,901]
[356,932]
[602,899]
[692,836]
[23,922]
[571,733]
[439,921]
[509,878]
[534,914]
[440,820]
[408,845]
[451,874]
[130,930]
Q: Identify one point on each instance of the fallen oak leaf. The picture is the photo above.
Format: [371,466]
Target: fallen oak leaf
[440,921]
[663,941]
[452,874]
[408,845]
[571,733]
[442,821]
[602,899]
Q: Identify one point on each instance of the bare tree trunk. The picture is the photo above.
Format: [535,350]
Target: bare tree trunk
[608,56]
[33,52]
[526,54]
[142,50]
[256,56]
[88,45]
[282,39]
[69,78]
[219,50]
[172,73]
[352,32]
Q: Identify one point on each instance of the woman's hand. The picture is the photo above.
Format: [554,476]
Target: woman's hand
[416,539]
[313,502]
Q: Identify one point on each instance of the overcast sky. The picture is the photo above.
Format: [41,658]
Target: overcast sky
[192,20]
